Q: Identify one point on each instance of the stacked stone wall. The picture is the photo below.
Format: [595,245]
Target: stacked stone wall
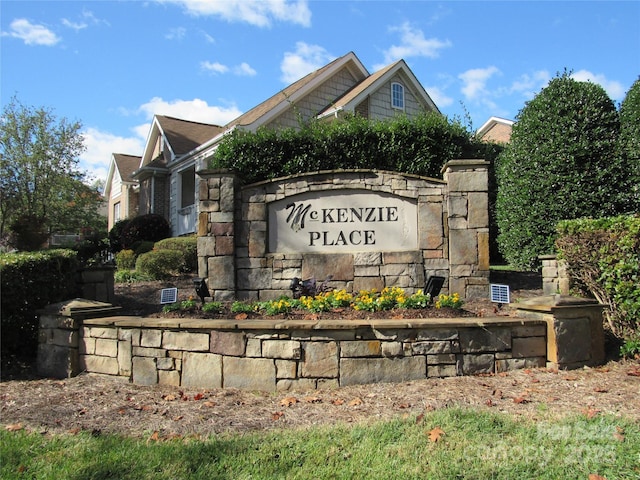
[269,355]
[452,234]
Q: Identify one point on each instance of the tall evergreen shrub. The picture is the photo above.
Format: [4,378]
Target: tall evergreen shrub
[562,163]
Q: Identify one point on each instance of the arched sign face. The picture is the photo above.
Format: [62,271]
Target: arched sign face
[342,221]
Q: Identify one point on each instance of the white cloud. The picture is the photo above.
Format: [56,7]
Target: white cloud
[74,25]
[413,44]
[304,60]
[101,145]
[214,67]
[31,34]
[244,70]
[195,110]
[615,89]
[261,13]
[530,84]
[176,33]
[474,81]
[438,96]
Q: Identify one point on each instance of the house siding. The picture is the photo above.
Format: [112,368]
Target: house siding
[380,101]
[316,101]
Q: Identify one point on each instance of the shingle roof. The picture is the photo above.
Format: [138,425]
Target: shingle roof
[265,107]
[184,135]
[126,164]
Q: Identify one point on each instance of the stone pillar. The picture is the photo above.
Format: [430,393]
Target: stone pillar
[467,205]
[216,232]
[58,339]
[575,336]
[555,279]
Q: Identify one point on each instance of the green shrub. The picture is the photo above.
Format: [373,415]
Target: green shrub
[142,246]
[189,248]
[603,260]
[125,259]
[115,235]
[561,164]
[151,227]
[130,276]
[30,281]
[160,264]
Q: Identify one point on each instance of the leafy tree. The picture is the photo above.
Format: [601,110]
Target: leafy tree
[630,141]
[42,191]
[562,163]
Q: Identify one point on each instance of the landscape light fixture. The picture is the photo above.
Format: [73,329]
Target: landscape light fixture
[201,288]
[434,285]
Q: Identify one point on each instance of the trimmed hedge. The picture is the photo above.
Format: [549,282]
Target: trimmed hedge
[160,264]
[30,281]
[603,260]
[151,227]
[188,246]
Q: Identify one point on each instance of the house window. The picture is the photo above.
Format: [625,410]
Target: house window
[397,96]
[116,211]
[188,188]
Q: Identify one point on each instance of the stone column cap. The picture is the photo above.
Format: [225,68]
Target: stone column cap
[80,307]
[549,302]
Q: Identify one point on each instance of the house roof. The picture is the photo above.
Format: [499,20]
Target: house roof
[287,95]
[493,122]
[185,135]
[126,165]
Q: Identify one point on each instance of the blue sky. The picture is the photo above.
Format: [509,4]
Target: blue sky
[112,65]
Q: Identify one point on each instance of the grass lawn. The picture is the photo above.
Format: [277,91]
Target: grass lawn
[444,444]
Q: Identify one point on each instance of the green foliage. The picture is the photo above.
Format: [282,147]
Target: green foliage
[130,276]
[42,191]
[189,248]
[419,146]
[603,258]
[212,307]
[160,264]
[30,281]
[125,259]
[561,164]
[449,301]
[150,227]
[631,348]
[630,141]
[115,235]
[243,307]
[142,246]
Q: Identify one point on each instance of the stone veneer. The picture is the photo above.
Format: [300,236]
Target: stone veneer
[266,354]
[452,234]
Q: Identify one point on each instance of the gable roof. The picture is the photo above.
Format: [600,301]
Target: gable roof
[261,113]
[356,94]
[125,165]
[484,132]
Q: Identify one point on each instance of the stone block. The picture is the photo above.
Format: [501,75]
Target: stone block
[224,245]
[206,246]
[221,273]
[529,331]
[95,364]
[169,377]
[193,342]
[249,373]
[106,347]
[286,369]
[100,332]
[478,212]
[360,348]
[402,257]
[63,338]
[437,334]
[508,364]
[529,347]
[285,349]
[148,352]
[478,363]
[572,341]
[468,181]
[367,259]
[485,339]
[254,278]
[228,343]
[254,348]
[320,360]
[392,349]
[144,371]
[368,283]
[317,265]
[87,346]
[441,371]
[124,358]
[201,370]
[165,363]
[57,362]
[463,247]
[441,358]
[300,384]
[431,347]
[151,338]
[58,321]
[359,371]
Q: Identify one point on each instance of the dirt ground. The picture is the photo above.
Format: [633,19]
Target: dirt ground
[101,404]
